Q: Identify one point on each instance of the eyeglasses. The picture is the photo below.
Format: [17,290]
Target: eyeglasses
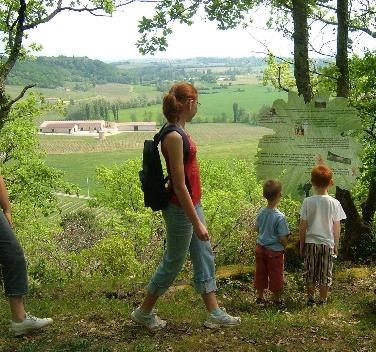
[196,101]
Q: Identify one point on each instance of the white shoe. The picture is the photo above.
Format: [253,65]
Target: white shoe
[30,323]
[151,321]
[222,320]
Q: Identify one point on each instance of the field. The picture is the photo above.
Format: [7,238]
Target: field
[215,101]
[78,157]
[110,91]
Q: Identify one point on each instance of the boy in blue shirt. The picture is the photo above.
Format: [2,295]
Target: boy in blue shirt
[272,237]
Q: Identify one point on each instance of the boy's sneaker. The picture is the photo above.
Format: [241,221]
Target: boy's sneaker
[151,321]
[311,302]
[322,302]
[214,321]
[30,323]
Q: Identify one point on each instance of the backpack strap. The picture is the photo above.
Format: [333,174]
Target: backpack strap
[166,129]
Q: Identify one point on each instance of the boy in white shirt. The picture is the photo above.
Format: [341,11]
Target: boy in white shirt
[319,232]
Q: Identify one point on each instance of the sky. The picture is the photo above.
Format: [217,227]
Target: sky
[113,38]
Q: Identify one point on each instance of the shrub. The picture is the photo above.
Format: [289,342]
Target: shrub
[81,229]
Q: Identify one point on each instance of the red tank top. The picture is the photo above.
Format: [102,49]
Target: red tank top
[192,173]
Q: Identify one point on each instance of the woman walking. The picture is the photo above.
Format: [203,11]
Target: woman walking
[184,219]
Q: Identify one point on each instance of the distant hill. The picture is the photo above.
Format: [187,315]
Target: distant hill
[82,72]
[52,72]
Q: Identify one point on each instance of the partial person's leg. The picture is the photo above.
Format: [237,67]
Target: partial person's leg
[202,258]
[210,301]
[14,272]
[261,273]
[310,271]
[179,233]
[311,288]
[17,308]
[275,273]
[324,291]
[325,271]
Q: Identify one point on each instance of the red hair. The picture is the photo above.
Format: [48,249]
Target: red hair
[174,100]
[321,176]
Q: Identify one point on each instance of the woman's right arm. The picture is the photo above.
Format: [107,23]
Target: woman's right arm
[173,142]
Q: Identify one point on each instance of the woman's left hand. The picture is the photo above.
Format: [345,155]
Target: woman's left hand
[201,232]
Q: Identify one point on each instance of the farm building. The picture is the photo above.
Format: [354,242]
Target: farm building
[136,126]
[77,126]
[72,126]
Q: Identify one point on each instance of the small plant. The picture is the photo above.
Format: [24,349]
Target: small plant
[81,230]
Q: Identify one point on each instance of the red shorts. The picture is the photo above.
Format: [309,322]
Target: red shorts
[269,269]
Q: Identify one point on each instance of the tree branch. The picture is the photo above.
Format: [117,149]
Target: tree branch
[11,102]
[352,27]
[91,10]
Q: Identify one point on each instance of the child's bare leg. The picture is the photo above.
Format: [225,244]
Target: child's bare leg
[324,290]
[260,293]
[310,291]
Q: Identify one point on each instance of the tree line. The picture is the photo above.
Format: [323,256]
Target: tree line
[82,73]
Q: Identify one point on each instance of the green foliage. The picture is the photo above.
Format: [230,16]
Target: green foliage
[46,263]
[30,181]
[115,256]
[154,31]
[231,198]
[278,74]
[121,187]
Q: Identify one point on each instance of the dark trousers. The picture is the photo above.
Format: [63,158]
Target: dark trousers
[12,261]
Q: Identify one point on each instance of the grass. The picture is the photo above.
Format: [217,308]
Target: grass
[109,91]
[79,157]
[85,320]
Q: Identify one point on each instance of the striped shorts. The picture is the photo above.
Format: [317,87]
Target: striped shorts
[318,264]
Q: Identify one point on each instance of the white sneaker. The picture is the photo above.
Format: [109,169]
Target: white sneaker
[30,323]
[224,319]
[151,321]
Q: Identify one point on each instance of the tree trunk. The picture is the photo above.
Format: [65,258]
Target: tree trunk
[357,228]
[369,206]
[342,60]
[357,233]
[301,59]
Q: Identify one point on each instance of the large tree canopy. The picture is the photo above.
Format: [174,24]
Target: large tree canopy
[17,17]
[230,14]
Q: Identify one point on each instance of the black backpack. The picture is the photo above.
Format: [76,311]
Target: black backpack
[153,181]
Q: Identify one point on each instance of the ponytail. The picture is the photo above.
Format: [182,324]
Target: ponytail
[174,100]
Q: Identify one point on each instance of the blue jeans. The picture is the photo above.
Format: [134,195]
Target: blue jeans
[12,261]
[180,240]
